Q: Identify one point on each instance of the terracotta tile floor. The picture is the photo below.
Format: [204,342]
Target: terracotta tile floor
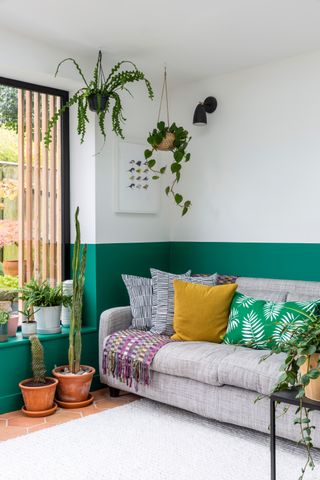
[13,424]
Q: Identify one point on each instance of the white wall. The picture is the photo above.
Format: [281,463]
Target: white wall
[112,227]
[255,169]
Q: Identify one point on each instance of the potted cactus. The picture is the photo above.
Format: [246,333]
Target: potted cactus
[4,317]
[38,392]
[75,379]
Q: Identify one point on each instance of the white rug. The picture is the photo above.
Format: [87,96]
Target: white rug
[145,440]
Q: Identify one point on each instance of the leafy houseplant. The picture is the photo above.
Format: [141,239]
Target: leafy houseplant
[46,303]
[98,94]
[75,379]
[28,326]
[38,392]
[301,370]
[4,317]
[175,139]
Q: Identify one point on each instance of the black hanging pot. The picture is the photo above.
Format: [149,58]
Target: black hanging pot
[97,102]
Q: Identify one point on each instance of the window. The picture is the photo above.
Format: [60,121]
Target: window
[34,184]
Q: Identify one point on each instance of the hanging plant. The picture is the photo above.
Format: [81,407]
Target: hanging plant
[169,138]
[98,95]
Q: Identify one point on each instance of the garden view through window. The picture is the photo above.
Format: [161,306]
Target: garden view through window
[31,191]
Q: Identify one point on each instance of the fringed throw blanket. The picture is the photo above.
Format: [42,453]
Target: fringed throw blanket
[128,355]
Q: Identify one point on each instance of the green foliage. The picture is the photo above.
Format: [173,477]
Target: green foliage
[8,145]
[36,294]
[304,342]
[78,268]
[109,89]
[38,365]
[7,282]
[4,317]
[179,153]
[9,107]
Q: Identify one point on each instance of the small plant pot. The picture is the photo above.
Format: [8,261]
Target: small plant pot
[11,267]
[97,102]
[167,142]
[312,390]
[73,388]
[38,398]
[48,319]
[28,329]
[3,332]
[13,324]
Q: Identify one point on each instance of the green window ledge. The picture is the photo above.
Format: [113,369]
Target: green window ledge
[19,340]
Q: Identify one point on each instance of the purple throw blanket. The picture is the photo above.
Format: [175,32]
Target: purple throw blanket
[128,355]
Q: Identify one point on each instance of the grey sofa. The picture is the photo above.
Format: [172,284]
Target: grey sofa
[218,381]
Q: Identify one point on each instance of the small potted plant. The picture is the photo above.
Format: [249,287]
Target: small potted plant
[100,94]
[75,379]
[46,302]
[39,391]
[28,325]
[176,140]
[4,317]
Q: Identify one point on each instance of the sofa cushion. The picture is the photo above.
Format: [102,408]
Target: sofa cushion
[201,312]
[140,295]
[261,324]
[219,364]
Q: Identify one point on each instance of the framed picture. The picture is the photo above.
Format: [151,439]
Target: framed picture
[135,191]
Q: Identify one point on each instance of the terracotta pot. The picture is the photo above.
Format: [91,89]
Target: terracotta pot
[11,267]
[38,399]
[73,388]
[312,390]
[13,324]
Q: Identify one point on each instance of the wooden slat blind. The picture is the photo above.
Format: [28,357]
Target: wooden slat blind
[39,178]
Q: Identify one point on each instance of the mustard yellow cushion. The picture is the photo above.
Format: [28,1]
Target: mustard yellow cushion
[201,312]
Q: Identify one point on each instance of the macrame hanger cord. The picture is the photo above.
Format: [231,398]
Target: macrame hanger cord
[164,91]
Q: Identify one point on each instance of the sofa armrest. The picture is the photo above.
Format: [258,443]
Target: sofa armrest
[111,321]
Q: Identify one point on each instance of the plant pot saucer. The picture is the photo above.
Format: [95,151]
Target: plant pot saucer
[43,413]
[84,403]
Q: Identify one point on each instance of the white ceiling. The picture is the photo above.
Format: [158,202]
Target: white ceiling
[195,38]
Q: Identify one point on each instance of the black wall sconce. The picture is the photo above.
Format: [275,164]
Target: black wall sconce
[200,113]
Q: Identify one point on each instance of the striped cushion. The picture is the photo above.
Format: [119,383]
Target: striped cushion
[154,273]
[140,295]
[163,321]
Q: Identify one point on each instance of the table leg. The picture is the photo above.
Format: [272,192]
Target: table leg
[273,438]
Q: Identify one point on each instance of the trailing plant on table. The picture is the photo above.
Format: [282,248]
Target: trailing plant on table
[98,94]
[303,341]
[179,139]
[78,267]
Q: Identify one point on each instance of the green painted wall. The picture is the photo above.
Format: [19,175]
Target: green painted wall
[296,261]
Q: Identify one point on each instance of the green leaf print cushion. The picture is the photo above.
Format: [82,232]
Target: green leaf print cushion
[263,324]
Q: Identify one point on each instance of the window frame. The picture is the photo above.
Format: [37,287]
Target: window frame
[65,164]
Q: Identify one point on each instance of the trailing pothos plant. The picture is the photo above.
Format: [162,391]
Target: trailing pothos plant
[180,155]
[98,94]
[303,341]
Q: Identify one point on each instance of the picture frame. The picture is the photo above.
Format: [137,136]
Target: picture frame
[134,189]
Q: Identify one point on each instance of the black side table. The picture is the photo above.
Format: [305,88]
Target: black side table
[289,397]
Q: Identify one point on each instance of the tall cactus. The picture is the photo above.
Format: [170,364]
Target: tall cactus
[78,267]
[38,366]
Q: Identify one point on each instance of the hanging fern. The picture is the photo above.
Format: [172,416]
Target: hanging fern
[107,89]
